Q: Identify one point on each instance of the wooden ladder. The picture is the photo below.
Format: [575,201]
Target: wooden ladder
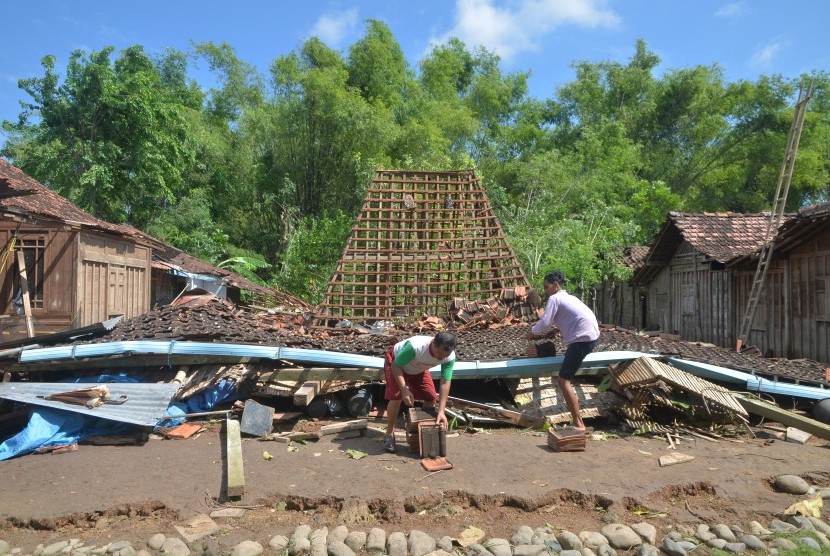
[781,190]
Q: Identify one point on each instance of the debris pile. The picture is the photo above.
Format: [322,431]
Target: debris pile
[660,397]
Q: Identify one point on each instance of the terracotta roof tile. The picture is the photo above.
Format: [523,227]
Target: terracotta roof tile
[722,236]
[635,256]
[23,194]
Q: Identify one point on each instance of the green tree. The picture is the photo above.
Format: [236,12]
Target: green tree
[110,137]
[312,255]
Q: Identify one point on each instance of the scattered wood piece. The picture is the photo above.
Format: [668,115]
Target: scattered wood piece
[500,413]
[297,374]
[674,459]
[357,424]
[201,414]
[136,439]
[306,393]
[286,437]
[764,409]
[797,436]
[233,449]
[287,415]
[58,449]
[671,442]
[697,434]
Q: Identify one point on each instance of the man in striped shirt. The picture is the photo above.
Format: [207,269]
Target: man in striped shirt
[406,369]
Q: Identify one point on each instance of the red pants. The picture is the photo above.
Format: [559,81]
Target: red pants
[421,385]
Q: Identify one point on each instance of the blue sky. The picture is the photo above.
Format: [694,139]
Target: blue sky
[745,37]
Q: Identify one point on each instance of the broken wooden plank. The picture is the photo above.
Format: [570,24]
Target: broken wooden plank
[24,290]
[674,459]
[286,437]
[305,393]
[797,436]
[297,374]
[764,409]
[336,428]
[501,414]
[286,415]
[233,449]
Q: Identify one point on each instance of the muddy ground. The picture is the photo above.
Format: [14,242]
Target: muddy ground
[502,478]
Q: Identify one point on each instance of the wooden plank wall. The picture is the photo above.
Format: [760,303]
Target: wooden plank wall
[699,294]
[659,305]
[115,279]
[60,251]
[810,301]
[618,303]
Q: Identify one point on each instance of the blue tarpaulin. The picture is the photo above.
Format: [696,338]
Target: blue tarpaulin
[49,427]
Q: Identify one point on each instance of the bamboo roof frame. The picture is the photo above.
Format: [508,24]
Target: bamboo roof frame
[422,240]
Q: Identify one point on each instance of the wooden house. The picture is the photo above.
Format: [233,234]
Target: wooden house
[63,268]
[621,302]
[793,316]
[686,277]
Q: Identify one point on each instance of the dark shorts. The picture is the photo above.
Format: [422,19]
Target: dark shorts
[421,385]
[574,356]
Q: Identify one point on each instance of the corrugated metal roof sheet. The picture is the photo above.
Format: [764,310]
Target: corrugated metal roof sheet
[145,403]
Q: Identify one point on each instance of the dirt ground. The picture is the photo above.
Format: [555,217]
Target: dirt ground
[502,478]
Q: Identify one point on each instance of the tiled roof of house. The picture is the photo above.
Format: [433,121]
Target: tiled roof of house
[720,236]
[634,256]
[808,223]
[22,194]
[189,263]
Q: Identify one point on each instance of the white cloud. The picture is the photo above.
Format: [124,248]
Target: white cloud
[332,28]
[734,9]
[765,55]
[510,30]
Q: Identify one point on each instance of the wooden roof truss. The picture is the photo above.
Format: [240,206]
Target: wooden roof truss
[423,241]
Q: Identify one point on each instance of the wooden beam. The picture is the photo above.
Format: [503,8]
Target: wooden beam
[764,409]
[357,424]
[323,373]
[235,473]
[24,288]
[306,393]
[674,459]
[499,413]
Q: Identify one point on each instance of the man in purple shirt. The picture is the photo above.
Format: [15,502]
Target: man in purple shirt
[580,332]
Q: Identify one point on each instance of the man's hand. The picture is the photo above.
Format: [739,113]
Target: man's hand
[441,420]
[407,397]
[530,335]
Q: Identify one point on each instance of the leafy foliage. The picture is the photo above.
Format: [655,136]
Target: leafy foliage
[263,174]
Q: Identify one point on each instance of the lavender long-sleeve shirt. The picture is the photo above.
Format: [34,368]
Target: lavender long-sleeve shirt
[573,318]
